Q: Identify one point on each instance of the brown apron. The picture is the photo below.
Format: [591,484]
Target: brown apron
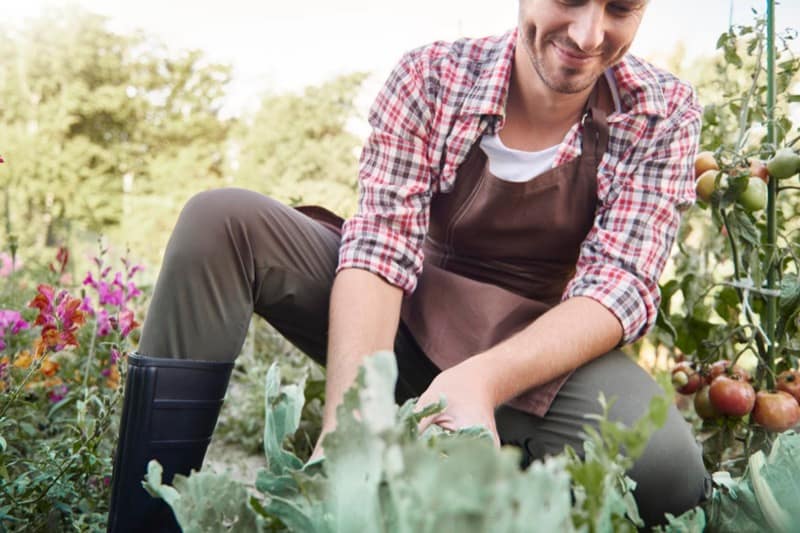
[498,254]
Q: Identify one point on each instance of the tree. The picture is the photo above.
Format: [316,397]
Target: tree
[297,147]
[91,119]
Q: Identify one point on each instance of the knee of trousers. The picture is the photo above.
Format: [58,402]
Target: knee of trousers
[670,476]
[216,221]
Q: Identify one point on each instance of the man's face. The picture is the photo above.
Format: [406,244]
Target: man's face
[571,42]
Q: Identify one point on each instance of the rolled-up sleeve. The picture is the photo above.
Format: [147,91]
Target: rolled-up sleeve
[385,235]
[624,254]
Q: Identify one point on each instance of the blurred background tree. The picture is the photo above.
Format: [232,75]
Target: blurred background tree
[109,133]
[297,148]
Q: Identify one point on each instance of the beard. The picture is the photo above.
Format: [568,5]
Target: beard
[558,78]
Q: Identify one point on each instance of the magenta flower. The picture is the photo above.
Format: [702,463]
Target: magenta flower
[113,296]
[110,294]
[104,326]
[134,269]
[133,292]
[11,323]
[58,393]
[86,306]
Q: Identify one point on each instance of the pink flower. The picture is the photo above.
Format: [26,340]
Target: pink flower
[11,323]
[62,258]
[68,310]
[133,292]
[58,393]
[89,280]
[109,295]
[13,319]
[7,266]
[86,306]
[134,269]
[126,322]
[103,323]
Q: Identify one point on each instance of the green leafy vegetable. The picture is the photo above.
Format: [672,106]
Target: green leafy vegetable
[379,474]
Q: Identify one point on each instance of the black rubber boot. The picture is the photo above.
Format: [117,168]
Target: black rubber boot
[169,414]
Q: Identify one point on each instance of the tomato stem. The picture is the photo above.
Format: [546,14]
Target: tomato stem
[772,196]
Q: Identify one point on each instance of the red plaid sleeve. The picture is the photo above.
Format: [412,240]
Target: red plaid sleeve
[625,252]
[386,234]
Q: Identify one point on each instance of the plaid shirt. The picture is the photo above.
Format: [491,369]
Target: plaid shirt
[441,98]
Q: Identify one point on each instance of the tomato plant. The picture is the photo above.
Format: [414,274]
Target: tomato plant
[731,312]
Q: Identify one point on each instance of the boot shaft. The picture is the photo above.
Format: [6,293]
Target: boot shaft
[169,413]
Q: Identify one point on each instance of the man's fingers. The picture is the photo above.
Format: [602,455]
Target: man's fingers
[443,420]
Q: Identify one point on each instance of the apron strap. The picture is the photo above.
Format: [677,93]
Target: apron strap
[595,136]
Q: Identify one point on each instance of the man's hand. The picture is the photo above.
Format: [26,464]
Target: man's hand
[364,314]
[469,402]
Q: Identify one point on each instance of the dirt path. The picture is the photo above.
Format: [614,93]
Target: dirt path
[238,464]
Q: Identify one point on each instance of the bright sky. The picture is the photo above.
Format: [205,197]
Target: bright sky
[286,44]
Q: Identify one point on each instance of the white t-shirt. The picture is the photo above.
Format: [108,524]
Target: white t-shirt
[519,166]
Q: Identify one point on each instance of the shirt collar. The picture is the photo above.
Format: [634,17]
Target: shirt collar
[488,95]
[639,87]
[638,84]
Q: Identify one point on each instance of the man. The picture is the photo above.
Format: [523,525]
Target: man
[514,285]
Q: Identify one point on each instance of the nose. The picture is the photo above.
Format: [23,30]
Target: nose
[588,28]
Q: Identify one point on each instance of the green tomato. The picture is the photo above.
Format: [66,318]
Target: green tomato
[706,184]
[784,164]
[754,197]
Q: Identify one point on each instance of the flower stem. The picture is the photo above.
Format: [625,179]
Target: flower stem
[33,368]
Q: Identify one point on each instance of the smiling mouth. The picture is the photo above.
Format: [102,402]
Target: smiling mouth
[573,57]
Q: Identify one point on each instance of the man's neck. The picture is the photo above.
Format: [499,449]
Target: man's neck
[536,116]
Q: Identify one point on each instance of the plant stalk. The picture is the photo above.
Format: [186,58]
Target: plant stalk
[772,196]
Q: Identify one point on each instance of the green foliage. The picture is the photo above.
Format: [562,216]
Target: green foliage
[765,497]
[108,133]
[379,474]
[205,502]
[241,423]
[59,403]
[602,492]
[692,521]
[297,147]
[92,120]
[712,314]
[735,107]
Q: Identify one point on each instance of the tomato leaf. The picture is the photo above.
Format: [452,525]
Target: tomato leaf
[788,303]
[727,304]
[743,226]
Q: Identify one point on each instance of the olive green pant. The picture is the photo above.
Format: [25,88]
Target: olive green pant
[235,252]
